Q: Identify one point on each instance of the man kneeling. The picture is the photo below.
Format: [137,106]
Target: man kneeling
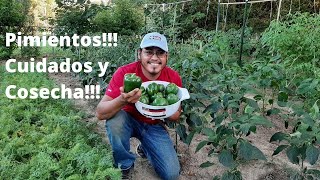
[123,120]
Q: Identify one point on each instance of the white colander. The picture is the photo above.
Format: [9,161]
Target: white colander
[161,112]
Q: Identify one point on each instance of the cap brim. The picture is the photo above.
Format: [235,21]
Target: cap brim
[154,45]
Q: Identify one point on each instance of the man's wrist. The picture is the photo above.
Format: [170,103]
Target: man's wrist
[122,100]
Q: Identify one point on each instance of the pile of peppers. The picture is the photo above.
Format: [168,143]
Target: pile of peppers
[159,95]
[155,94]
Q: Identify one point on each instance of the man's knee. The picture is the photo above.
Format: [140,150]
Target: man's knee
[117,122]
[171,173]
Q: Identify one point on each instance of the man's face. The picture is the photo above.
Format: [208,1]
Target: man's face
[153,60]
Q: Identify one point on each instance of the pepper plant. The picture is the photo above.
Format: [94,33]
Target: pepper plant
[270,81]
[302,144]
[295,41]
[218,107]
[235,117]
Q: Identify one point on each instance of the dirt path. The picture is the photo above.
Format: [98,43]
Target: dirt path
[190,161]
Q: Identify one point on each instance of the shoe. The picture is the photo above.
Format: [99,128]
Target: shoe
[140,152]
[127,174]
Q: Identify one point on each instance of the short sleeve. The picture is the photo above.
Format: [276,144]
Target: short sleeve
[175,78]
[113,89]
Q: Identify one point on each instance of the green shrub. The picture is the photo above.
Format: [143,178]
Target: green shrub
[28,51]
[124,18]
[296,38]
[12,18]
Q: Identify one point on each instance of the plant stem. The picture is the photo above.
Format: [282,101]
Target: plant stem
[263,101]
[273,91]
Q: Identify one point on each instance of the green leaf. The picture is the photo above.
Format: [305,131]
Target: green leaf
[231,140]
[252,103]
[196,119]
[270,101]
[226,158]
[279,149]
[283,96]
[216,68]
[302,152]
[206,164]
[282,104]
[249,152]
[307,119]
[275,58]
[219,119]
[298,110]
[181,131]
[198,104]
[190,137]
[253,129]
[222,130]
[315,111]
[314,172]
[234,105]
[273,111]
[235,124]
[234,175]
[216,177]
[208,131]
[248,109]
[201,145]
[296,176]
[260,120]
[214,107]
[282,99]
[304,87]
[296,134]
[278,136]
[245,128]
[312,154]
[292,154]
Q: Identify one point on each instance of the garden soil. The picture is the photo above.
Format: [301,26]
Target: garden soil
[275,168]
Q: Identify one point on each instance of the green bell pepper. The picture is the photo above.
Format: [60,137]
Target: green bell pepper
[160,101]
[172,89]
[161,88]
[131,81]
[158,94]
[143,90]
[172,98]
[144,99]
[152,89]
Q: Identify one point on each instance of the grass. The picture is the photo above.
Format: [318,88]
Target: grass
[46,139]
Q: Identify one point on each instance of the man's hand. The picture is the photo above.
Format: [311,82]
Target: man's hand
[176,116]
[108,106]
[130,97]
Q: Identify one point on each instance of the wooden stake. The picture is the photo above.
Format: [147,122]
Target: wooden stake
[279,8]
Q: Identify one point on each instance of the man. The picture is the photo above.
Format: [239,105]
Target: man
[123,121]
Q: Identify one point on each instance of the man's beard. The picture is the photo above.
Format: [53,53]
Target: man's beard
[154,71]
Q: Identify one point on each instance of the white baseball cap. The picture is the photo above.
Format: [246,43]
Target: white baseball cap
[154,39]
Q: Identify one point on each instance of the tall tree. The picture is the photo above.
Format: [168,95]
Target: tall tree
[12,18]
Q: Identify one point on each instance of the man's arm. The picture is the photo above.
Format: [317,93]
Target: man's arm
[108,106]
